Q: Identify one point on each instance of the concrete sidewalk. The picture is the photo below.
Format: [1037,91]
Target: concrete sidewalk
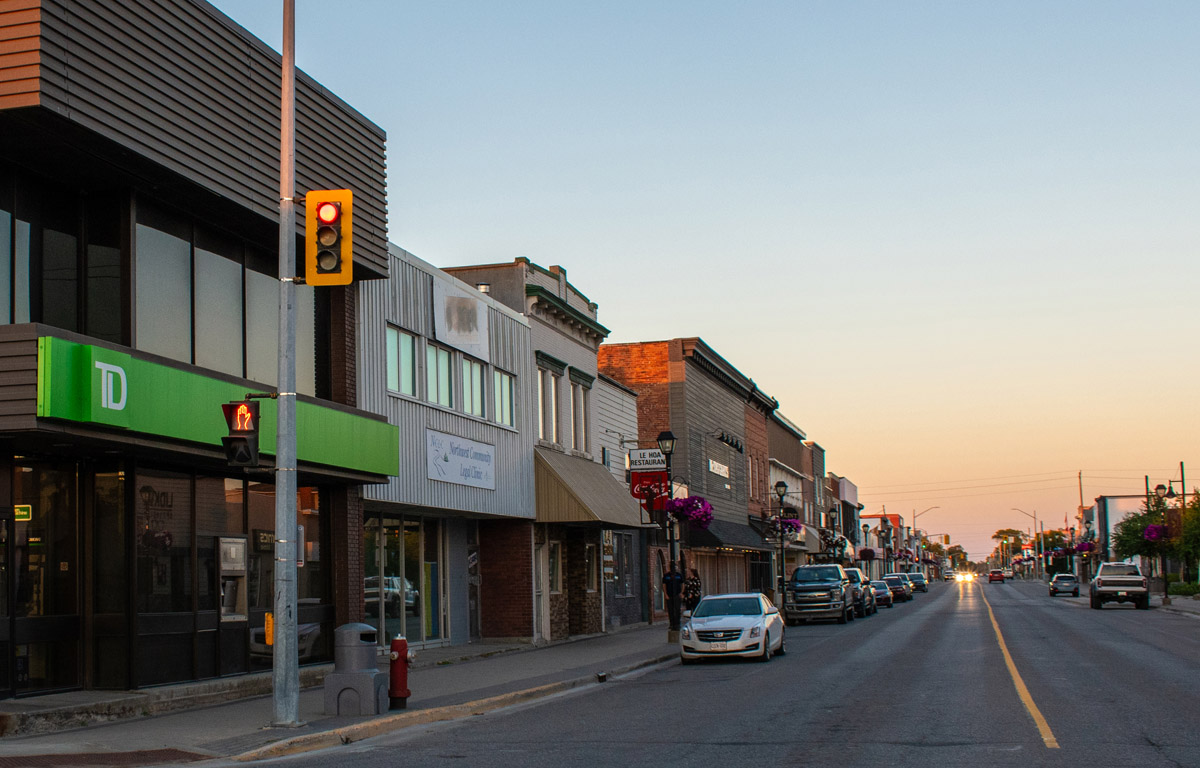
[1188,606]
[191,722]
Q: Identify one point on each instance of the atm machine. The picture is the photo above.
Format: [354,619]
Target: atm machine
[233,578]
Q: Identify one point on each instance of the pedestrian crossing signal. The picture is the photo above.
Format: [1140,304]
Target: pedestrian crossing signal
[241,444]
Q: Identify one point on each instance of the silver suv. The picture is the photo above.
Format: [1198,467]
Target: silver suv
[1119,583]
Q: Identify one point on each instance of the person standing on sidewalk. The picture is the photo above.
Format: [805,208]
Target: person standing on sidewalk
[692,590]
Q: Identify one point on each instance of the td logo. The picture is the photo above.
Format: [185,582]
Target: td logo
[109,375]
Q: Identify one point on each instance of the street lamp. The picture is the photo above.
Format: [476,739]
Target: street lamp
[865,529]
[781,489]
[1037,550]
[672,580]
[1160,491]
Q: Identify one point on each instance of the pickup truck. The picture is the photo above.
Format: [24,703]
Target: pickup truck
[1119,583]
[818,592]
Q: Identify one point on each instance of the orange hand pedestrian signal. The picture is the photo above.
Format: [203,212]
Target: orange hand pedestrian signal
[241,444]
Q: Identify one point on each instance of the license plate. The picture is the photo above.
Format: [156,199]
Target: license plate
[716,646]
[1122,594]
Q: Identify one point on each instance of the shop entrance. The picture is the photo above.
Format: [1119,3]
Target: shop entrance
[402,584]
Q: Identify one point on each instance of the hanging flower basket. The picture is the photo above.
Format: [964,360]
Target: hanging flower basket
[693,510]
[1084,547]
[1155,532]
[866,554]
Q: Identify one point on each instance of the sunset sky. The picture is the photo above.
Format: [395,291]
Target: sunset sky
[957,241]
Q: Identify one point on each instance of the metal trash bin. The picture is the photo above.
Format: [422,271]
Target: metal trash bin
[356,686]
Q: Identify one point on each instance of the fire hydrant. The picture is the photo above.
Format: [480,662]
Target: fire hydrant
[401,658]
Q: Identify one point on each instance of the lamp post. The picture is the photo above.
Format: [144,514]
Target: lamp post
[781,489]
[865,529]
[672,579]
[1160,491]
[885,536]
[1083,561]
[1036,551]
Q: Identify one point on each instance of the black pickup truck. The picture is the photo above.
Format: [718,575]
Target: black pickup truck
[818,592]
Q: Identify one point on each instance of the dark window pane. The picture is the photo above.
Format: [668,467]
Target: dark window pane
[60,262]
[21,272]
[105,316]
[45,548]
[218,513]
[164,542]
[163,290]
[218,313]
[108,528]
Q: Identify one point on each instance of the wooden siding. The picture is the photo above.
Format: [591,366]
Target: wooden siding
[178,83]
[404,300]
[18,377]
[614,414]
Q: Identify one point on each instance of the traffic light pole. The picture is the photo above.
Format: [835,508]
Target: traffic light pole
[286,661]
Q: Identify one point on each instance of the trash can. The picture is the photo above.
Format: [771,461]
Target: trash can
[356,686]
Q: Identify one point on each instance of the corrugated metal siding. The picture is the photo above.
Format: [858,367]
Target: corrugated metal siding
[403,300]
[178,83]
[18,377]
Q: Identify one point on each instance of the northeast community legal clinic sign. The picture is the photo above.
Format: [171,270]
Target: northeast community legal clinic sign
[454,459]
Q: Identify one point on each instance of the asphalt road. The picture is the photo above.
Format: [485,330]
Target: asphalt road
[924,684]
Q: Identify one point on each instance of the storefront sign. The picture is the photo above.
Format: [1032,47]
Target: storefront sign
[647,459]
[97,385]
[454,459]
[717,468]
[23,513]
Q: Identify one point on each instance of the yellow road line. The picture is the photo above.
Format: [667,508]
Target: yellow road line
[1022,691]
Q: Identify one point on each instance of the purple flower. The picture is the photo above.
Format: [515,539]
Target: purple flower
[694,510]
[1155,532]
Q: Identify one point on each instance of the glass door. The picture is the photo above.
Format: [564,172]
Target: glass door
[385,599]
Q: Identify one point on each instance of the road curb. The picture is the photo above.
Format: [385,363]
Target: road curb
[394,722]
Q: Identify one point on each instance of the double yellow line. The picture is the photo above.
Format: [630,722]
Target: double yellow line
[1018,683]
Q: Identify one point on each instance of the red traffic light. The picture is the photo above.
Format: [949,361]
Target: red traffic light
[328,213]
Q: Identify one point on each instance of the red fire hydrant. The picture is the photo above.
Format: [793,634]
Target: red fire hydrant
[398,692]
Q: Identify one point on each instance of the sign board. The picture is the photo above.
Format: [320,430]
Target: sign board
[454,459]
[649,486]
[23,513]
[646,459]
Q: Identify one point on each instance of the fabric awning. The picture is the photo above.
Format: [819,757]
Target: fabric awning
[810,539]
[570,489]
[723,533]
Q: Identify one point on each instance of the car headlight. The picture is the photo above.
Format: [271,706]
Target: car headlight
[755,631]
[686,632]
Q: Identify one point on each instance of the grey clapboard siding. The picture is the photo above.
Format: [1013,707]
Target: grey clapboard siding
[404,300]
[179,83]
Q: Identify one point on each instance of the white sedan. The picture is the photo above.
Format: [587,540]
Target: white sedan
[744,624]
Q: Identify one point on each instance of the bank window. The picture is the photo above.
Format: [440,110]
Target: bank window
[555,569]
[437,376]
[591,565]
[401,362]
[502,386]
[472,387]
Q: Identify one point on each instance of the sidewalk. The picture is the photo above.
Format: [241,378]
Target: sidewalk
[194,724]
[1180,604]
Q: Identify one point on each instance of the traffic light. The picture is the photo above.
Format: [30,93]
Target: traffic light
[328,237]
[241,444]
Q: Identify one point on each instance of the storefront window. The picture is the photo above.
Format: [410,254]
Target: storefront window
[60,262]
[163,292]
[218,513]
[164,542]
[219,313]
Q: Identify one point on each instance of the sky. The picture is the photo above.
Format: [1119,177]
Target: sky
[956,241]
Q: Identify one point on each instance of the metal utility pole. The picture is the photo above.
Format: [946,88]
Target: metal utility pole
[286,662]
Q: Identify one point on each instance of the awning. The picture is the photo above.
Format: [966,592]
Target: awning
[810,539]
[569,489]
[722,533]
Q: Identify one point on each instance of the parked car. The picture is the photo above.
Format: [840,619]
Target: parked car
[1119,583]
[1064,582]
[901,588]
[1008,572]
[908,583]
[883,593]
[744,624]
[399,596]
[864,596]
[919,581]
[995,575]
[819,592]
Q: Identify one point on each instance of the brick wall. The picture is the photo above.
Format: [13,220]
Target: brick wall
[506,578]
[584,608]
[345,509]
[644,368]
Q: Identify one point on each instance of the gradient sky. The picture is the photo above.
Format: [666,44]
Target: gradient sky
[957,241]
